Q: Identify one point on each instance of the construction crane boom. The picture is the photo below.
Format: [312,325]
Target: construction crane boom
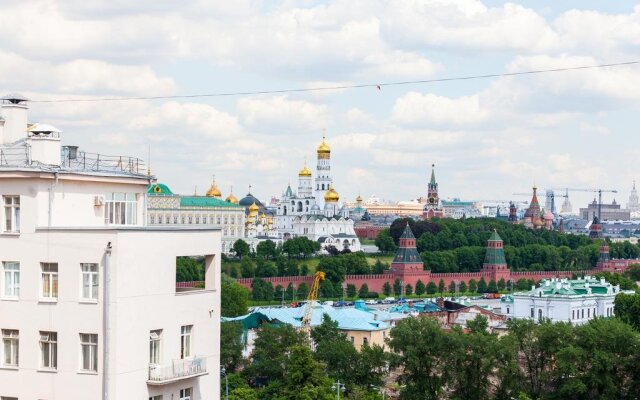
[308,308]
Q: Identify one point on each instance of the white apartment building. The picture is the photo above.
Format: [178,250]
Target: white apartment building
[89,306]
[563,300]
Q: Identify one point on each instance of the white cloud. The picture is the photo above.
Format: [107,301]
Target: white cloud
[415,109]
[279,112]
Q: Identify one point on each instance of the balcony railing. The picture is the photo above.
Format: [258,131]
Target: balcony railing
[177,370]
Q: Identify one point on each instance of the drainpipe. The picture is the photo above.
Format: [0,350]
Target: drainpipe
[53,186]
[105,322]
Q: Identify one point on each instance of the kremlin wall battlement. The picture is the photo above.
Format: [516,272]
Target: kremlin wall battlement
[404,265]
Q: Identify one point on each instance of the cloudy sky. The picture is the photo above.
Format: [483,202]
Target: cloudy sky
[488,138]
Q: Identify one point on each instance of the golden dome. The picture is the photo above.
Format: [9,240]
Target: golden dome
[231,198]
[253,208]
[213,190]
[305,171]
[324,148]
[331,195]
[359,199]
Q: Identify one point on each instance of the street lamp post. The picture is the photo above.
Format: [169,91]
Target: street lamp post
[223,372]
[338,387]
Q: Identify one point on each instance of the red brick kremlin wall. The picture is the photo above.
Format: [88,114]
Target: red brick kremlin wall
[376,282]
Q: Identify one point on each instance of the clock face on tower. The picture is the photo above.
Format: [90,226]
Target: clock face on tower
[432,200]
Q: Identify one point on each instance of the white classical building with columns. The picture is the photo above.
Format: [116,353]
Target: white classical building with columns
[564,300]
[89,305]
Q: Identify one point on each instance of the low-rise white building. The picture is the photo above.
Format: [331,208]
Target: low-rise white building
[89,305]
[328,231]
[563,300]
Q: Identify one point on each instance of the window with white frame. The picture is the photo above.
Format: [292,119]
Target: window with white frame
[89,352]
[89,289]
[11,213]
[10,342]
[49,350]
[120,209]
[185,341]
[155,340]
[185,394]
[49,281]
[11,277]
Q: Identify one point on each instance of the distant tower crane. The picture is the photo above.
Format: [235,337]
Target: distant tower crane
[308,308]
[599,191]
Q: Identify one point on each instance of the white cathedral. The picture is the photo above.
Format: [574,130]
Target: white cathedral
[314,212]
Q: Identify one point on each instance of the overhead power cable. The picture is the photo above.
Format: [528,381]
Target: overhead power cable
[378,86]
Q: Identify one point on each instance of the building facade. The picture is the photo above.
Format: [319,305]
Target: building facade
[164,208]
[89,306]
[606,212]
[564,300]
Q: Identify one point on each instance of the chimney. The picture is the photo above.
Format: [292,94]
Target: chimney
[14,111]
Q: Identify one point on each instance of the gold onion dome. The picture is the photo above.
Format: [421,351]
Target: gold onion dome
[359,199]
[231,199]
[213,190]
[254,208]
[305,171]
[331,195]
[324,148]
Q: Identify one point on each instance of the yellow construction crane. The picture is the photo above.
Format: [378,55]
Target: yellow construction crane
[308,308]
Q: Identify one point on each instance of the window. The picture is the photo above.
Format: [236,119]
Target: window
[89,352]
[185,394]
[154,346]
[582,313]
[507,310]
[10,342]
[185,341]
[532,315]
[539,314]
[89,281]
[11,213]
[120,209]
[353,340]
[573,314]
[49,350]
[588,313]
[11,286]
[156,397]
[365,341]
[49,281]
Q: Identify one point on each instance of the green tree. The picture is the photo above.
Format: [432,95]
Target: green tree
[231,345]
[266,249]
[482,285]
[241,248]
[422,349]
[441,286]
[473,285]
[351,290]
[420,288]
[305,378]
[384,242]
[502,284]
[522,284]
[492,287]
[432,288]
[386,289]
[408,290]
[397,287]
[189,269]
[463,287]
[265,269]
[633,272]
[627,309]
[364,291]
[234,298]
[452,287]
[261,290]
[272,347]
[247,268]
[334,350]
[303,291]
[379,267]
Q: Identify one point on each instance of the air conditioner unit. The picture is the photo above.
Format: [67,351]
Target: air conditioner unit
[98,201]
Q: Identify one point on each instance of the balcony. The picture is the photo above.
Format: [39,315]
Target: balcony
[177,370]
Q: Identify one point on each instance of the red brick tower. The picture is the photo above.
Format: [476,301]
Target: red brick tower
[407,259]
[495,264]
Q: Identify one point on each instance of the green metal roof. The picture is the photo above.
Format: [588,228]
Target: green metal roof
[495,256]
[198,201]
[159,189]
